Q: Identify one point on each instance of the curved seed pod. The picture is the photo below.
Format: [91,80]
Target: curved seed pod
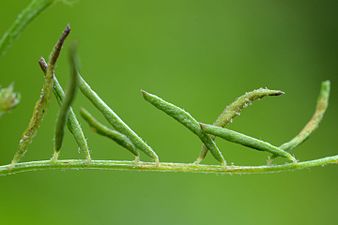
[41,104]
[107,132]
[115,120]
[34,8]
[312,125]
[8,99]
[245,140]
[72,123]
[235,109]
[185,119]
[66,104]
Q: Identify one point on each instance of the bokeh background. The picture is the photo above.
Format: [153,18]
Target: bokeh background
[199,55]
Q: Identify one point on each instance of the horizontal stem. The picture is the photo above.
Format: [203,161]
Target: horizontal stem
[74,164]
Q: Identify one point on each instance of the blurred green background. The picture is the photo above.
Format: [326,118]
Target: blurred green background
[199,55]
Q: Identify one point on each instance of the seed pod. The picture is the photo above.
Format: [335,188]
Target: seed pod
[235,109]
[41,105]
[245,140]
[72,123]
[107,132]
[66,104]
[313,124]
[115,120]
[27,15]
[185,119]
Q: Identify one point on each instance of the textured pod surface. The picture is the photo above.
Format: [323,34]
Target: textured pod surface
[67,102]
[185,119]
[245,140]
[115,120]
[107,132]
[41,105]
[313,124]
[72,122]
[234,109]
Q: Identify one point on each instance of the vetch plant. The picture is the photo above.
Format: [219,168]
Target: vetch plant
[121,133]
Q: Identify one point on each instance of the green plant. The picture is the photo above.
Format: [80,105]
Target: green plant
[123,135]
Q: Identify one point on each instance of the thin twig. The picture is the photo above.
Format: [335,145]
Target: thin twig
[113,165]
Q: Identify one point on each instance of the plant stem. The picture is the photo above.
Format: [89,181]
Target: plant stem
[73,164]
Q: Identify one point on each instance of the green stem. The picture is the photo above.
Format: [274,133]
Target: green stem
[23,19]
[113,165]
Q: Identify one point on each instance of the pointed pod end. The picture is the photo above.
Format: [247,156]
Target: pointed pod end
[277,93]
[145,94]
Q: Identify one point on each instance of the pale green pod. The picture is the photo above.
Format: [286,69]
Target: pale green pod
[41,105]
[245,140]
[27,15]
[72,123]
[66,103]
[185,119]
[234,109]
[313,124]
[114,135]
[115,120]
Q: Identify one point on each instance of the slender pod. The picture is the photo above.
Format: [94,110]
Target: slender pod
[245,140]
[27,15]
[185,119]
[234,109]
[114,135]
[66,104]
[72,122]
[313,124]
[115,120]
[41,104]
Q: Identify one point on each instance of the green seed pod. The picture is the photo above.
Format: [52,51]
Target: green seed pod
[313,124]
[185,119]
[235,109]
[107,132]
[115,120]
[66,104]
[245,140]
[27,15]
[72,123]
